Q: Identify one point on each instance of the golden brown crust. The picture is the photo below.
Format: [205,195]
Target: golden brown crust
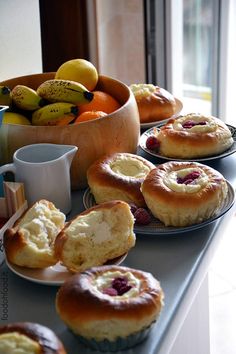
[13,242]
[188,143]
[179,208]
[45,337]
[157,106]
[78,302]
[106,184]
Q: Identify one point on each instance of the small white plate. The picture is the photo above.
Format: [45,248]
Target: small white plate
[54,275]
[156,227]
[149,132]
[178,109]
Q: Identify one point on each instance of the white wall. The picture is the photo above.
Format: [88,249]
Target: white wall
[119,37]
[20,40]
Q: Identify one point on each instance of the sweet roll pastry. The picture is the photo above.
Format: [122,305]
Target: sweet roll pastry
[192,136]
[154,103]
[30,243]
[95,236]
[184,193]
[110,307]
[118,176]
[29,338]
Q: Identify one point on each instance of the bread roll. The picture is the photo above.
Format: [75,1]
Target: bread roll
[96,236]
[110,302]
[192,136]
[184,193]
[118,176]
[29,338]
[30,243]
[154,103]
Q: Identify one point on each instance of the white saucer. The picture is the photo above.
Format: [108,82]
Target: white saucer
[54,275]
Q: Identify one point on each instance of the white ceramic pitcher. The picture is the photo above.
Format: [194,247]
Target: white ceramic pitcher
[45,171]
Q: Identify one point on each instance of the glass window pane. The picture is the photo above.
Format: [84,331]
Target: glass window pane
[198,47]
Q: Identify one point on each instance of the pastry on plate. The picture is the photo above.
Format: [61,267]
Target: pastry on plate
[30,243]
[95,236]
[118,176]
[184,193]
[110,308]
[193,136]
[29,338]
[154,103]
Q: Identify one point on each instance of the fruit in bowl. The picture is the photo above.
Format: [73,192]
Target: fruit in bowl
[118,131]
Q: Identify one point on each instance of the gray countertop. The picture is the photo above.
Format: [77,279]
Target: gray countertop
[177,260]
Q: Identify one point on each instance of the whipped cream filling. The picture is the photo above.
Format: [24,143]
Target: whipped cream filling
[129,166]
[91,225]
[171,180]
[142,90]
[41,225]
[202,123]
[104,282]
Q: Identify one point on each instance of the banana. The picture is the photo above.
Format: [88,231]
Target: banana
[5,96]
[59,113]
[64,91]
[26,98]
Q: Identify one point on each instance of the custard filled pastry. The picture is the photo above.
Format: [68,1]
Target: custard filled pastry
[154,103]
[110,307]
[184,193]
[192,136]
[118,176]
[29,338]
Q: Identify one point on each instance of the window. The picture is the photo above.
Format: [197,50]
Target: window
[188,52]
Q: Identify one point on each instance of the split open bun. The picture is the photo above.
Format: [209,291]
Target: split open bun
[96,236]
[30,243]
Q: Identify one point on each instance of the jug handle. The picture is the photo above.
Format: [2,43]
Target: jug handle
[9,167]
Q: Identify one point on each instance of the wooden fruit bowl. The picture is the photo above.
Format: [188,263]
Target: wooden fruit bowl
[117,132]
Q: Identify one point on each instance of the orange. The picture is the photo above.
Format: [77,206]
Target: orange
[101,101]
[89,115]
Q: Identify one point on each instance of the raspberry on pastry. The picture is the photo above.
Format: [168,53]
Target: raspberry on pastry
[193,136]
[184,193]
[110,307]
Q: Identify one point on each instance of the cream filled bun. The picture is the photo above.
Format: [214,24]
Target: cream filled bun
[192,136]
[30,243]
[154,103]
[118,176]
[97,235]
[29,338]
[184,193]
[109,302]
